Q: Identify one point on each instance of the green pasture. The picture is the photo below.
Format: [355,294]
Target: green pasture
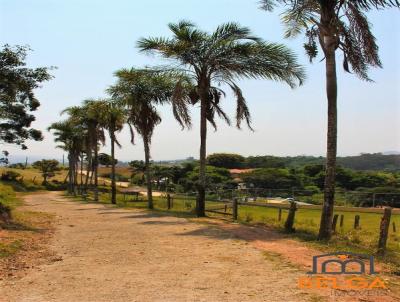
[346,238]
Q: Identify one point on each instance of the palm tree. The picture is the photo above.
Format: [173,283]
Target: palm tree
[230,53]
[94,117]
[70,135]
[335,25]
[76,118]
[140,91]
[90,116]
[113,121]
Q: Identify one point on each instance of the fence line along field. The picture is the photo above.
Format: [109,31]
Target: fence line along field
[362,238]
[271,212]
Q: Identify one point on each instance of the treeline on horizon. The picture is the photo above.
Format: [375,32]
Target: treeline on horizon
[362,162]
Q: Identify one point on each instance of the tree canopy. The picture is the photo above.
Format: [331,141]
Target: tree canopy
[17,98]
[226,160]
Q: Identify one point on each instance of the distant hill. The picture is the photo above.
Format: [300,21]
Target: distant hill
[375,161]
[391,153]
[365,161]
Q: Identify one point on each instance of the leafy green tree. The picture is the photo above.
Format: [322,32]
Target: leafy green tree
[334,25]
[266,161]
[4,160]
[229,53]
[313,170]
[226,160]
[17,97]
[138,166]
[106,160]
[271,178]
[214,176]
[47,167]
[375,161]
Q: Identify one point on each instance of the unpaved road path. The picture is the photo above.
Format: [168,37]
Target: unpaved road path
[110,254]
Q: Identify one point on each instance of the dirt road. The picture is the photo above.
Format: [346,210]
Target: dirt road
[109,254]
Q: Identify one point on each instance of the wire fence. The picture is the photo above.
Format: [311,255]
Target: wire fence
[356,225]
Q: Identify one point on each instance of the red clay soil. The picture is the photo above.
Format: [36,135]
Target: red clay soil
[100,253]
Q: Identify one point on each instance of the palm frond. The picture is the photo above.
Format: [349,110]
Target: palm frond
[242,111]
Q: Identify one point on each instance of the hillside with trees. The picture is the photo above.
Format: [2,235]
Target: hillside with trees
[362,162]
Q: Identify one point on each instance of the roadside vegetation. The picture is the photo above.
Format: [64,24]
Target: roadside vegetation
[201,66]
[20,230]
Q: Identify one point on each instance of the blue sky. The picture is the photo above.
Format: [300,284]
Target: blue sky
[90,39]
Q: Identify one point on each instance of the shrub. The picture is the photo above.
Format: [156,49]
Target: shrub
[5,213]
[118,177]
[17,166]
[55,186]
[9,175]
[248,217]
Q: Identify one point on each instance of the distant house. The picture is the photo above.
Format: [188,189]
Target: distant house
[235,173]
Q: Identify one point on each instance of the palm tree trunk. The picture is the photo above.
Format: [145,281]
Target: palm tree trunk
[200,201]
[91,174]
[88,169]
[325,231]
[70,175]
[72,170]
[95,170]
[113,184]
[148,172]
[81,180]
[76,173]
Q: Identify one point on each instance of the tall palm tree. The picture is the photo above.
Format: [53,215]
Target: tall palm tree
[140,91]
[76,117]
[94,111]
[70,135]
[114,118]
[90,116]
[336,25]
[229,53]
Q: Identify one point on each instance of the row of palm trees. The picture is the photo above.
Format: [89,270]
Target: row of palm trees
[200,63]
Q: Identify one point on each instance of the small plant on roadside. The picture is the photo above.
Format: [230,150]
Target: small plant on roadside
[248,217]
[5,213]
[9,175]
[47,168]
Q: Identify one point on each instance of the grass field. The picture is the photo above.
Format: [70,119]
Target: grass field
[25,225]
[363,240]
[32,178]
[306,222]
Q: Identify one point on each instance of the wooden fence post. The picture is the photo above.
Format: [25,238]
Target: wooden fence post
[334,222]
[394,227]
[235,209]
[290,218]
[168,201]
[356,222]
[280,214]
[341,220]
[384,230]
